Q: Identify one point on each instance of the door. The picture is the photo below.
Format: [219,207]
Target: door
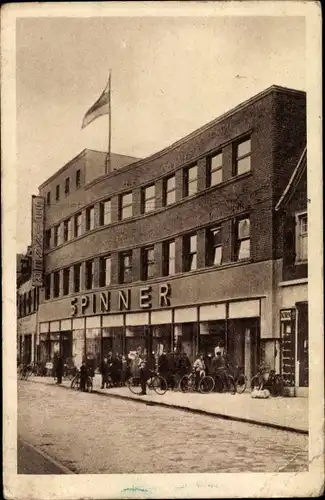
[287,318]
[302,343]
[66,346]
[28,349]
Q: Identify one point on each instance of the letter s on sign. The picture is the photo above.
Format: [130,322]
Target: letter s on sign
[74,308]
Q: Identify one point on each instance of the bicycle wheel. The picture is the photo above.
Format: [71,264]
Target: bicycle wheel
[89,385]
[241,383]
[206,385]
[185,384]
[256,383]
[134,384]
[218,384]
[159,385]
[231,384]
[75,383]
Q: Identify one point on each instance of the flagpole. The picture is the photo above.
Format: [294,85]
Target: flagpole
[108,161]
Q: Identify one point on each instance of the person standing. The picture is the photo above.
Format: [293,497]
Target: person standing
[59,369]
[104,369]
[163,365]
[144,373]
[199,369]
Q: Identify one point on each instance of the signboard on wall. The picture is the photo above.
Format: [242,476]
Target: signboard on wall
[38,212]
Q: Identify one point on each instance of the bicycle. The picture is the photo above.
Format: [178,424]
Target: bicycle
[24,372]
[75,383]
[225,381]
[268,379]
[239,377]
[155,382]
[188,383]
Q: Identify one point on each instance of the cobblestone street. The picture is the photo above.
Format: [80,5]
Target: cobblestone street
[91,434]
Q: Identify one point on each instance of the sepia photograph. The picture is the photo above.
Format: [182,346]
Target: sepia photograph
[166,239]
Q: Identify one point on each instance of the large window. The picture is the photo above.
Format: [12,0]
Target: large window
[47,286]
[67,230]
[190,252]
[301,237]
[125,267]
[77,225]
[169,258]
[105,269]
[89,281]
[56,235]
[78,179]
[48,233]
[67,186]
[90,219]
[169,190]
[66,280]
[105,212]
[243,157]
[242,239]
[148,199]
[190,181]
[56,284]
[214,246]
[125,206]
[48,198]
[77,277]
[214,170]
[148,263]
[57,192]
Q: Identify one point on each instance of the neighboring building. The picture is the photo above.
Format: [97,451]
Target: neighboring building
[293,288]
[27,305]
[180,249]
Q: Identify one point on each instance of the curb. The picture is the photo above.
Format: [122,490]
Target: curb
[47,457]
[194,410]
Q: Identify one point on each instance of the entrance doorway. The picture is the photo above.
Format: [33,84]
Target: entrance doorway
[302,343]
[66,346]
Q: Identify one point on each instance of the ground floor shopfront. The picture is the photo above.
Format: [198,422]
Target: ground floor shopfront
[27,339]
[235,325]
[294,335]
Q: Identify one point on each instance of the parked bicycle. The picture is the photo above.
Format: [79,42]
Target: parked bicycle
[24,372]
[239,377]
[188,383]
[155,382]
[268,379]
[75,382]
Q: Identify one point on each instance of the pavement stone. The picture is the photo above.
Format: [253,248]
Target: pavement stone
[287,413]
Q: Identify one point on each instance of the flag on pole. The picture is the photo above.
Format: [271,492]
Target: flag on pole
[101,106]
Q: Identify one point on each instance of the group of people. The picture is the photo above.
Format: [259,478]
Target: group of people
[114,370]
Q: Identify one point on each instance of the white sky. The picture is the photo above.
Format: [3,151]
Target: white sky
[169,77]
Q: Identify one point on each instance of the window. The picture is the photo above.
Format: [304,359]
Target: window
[105,271]
[148,199]
[56,284]
[77,278]
[89,282]
[48,238]
[90,219]
[67,230]
[56,233]
[29,302]
[301,237]
[67,186]
[78,179]
[66,280]
[214,247]
[214,170]
[47,286]
[169,258]
[169,190]
[126,206]
[242,239]
[105,213]
[77,225]
[148,263]
[243,157]
[57,192]
[24,304]
[190,252]
[126,267]
[190,181]
[48,198]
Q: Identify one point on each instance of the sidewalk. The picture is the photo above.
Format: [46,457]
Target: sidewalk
[281,413]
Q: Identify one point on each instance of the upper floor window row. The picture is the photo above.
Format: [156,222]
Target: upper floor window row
[67,187]
[27,303]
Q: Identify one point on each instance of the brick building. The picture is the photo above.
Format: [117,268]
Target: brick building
[180,249]
[293,287]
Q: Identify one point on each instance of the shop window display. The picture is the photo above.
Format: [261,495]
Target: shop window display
[93,345]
